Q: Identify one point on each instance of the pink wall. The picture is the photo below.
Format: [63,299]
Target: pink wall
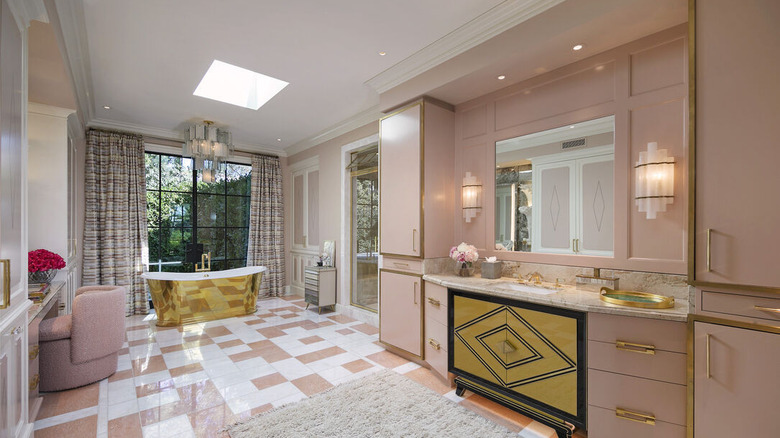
[645,85]
[330,187]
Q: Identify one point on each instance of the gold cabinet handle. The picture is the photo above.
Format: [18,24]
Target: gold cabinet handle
[506,347]
[415,292]
[414,241]
[709,250]
[635,416]
[578,244]
[34,382]
[709,368]
[401,265]
[5,294]
[767,309]
[434,301]
[434,344]
[574,245]
[635,348]
[34,352]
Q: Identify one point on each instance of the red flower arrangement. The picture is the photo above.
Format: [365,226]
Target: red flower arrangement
[43,260]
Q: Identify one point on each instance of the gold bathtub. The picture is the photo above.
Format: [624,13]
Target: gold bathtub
[185,298]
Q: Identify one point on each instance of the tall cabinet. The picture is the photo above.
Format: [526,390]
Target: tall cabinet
[13,227]
[734,334]
[416,199]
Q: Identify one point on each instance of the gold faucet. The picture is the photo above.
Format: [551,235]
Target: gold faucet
[205,263]
[535,278]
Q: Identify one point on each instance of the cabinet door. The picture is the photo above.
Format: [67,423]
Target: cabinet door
[400,311]
[13,388]
[553,207]
[596,212]
[739,392]
[736,160]
[399,183]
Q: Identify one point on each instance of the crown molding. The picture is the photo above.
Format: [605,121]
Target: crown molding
[24,11]
[175,135]
[49,110]
[493,22]
[363,118]
[67,18]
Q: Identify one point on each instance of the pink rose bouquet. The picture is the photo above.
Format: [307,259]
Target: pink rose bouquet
[464,253]
[43,260]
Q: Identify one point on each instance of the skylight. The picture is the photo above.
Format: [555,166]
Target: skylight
[238,86]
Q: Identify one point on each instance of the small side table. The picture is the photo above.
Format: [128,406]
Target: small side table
[320,287]
[48,308]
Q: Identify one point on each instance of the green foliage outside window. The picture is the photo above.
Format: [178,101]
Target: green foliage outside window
[220,221]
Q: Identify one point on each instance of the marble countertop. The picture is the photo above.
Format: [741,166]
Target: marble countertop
[568,297]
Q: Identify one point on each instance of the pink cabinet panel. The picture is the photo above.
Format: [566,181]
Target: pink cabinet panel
[737,103]
[736,381]
[399,180]
[663,335]
[436,347]
[604,423]
[663,365]
[400,311]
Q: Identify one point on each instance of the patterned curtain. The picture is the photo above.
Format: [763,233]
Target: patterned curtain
[115,235]
[266,224]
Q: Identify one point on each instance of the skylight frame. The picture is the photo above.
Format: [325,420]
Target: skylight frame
[238,86]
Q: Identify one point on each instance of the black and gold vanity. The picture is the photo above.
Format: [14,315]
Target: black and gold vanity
[528,356]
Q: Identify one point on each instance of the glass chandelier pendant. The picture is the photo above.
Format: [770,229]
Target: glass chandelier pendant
[208,146]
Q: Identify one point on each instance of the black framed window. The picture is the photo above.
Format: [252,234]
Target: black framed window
[182,209]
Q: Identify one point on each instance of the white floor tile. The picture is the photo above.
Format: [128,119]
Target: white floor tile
[292,369]
[168,428]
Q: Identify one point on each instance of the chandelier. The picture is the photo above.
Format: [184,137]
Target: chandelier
[208,146]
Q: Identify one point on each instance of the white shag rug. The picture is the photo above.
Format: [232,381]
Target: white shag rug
[385,404]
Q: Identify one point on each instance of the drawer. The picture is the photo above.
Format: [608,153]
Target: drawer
[662,365]
[436,336]
[603,423]
[312,297]
[663,335]
[403,265]
[741,305]
[665,401]
[436,331]
[436,303]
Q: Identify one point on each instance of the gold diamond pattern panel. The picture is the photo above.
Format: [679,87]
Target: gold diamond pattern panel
[529,352]
[179,302]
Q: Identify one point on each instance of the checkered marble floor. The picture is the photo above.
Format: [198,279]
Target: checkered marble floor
[195,380]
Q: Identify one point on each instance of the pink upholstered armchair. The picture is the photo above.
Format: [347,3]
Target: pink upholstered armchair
[82,348]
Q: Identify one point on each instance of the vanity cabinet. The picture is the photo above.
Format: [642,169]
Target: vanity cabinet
[736,238]
[573,203]
[416,157]
[436,345]
[524,355]
[13,376]
[401,311]
[636,377]
[736,379]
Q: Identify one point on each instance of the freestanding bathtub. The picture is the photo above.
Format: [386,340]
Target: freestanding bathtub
[184,298]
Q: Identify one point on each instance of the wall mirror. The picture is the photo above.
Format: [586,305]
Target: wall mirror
[555,190]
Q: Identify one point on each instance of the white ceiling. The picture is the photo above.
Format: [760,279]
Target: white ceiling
[144,58]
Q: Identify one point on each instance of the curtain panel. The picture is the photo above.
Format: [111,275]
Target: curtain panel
[266,224]
[115,233]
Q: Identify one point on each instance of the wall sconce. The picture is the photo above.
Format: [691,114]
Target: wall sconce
[654,180]
[471,196]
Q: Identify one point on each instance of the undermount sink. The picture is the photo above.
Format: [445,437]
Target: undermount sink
[528,288]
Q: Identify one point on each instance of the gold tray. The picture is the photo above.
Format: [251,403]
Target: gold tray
[635,299]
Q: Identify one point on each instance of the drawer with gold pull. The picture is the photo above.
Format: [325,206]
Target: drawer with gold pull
[636,333]
[641,360]
[436,302]
[436,346]
[765,309]
[622,423]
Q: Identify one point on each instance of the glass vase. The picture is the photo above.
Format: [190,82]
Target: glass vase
[464,269]
[41,276]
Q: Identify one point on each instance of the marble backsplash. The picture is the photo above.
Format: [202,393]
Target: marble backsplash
[663,284]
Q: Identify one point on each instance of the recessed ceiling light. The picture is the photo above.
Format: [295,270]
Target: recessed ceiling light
[572,126]
[599,67]
[106,107]
[278,139]
[577,47]
[238,86]
[501,78]
[382,53]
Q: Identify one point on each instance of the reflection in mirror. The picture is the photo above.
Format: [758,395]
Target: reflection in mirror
[554,190]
